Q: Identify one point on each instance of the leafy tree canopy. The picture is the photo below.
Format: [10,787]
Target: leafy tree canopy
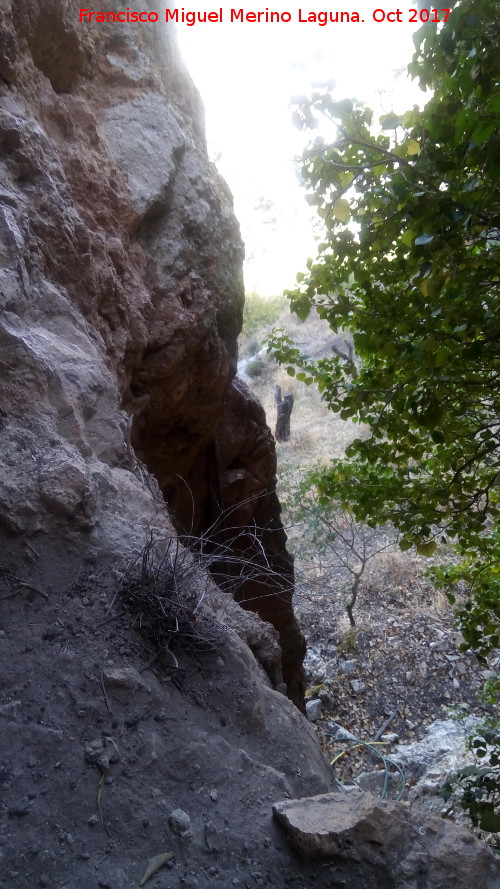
[410,264]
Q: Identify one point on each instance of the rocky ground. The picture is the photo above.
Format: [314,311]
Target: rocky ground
[135,751]
[113,754]
[400,669]
[118,757]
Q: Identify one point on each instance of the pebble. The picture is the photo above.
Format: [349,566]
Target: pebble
[339,732]
[10,709]
[19,810]
[180,822]
[211,837]
[348,667]
[326,699]
[314,667]
[444,645]
[357,686]
[488,674]
[314,709]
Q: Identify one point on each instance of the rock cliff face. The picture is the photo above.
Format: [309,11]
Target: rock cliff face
[121,302]
[137,728]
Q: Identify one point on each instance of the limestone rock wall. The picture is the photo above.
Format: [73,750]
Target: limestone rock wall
[120,304]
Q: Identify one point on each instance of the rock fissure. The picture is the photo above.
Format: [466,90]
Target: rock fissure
[127,733]
[110,203]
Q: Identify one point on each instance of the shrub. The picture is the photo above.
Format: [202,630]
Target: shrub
[260,312]
[332,541]
[253,346]
[255,368]
[477,787]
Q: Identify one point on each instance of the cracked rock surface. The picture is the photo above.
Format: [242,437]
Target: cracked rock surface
[125,744]
[402,850]
[121,302]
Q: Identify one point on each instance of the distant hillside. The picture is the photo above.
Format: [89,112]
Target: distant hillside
[316,433]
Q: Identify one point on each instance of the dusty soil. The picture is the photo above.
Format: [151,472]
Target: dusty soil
[101,742]
[405,648]
[405,652]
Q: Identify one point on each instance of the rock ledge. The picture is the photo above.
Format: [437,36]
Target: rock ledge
[405,849]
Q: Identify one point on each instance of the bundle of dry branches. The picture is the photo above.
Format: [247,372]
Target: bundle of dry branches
[165,592]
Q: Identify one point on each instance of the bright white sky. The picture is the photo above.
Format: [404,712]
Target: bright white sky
[247,74]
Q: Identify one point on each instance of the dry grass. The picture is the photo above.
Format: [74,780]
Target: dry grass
[164,591]
[402,576]
[317,436]
[405,646]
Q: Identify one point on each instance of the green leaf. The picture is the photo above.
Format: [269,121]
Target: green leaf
[441,357]
[483,131]
[437,436]
[472,770]
[390,121]
[342,210]
[490,821]
[427,549]
[410,118]
[412,147]
[493,105]
[341,109]
[405,544]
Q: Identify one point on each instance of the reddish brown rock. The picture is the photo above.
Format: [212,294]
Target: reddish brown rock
[248,467]
[121,301]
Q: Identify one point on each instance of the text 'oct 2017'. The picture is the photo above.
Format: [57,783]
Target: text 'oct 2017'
[321,18]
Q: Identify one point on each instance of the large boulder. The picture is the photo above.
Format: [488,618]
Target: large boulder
[401,848]
[121,299]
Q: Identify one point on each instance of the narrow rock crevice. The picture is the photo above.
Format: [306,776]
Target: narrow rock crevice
[122,289]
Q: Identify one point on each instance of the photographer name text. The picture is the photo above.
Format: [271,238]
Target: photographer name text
[190,18]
